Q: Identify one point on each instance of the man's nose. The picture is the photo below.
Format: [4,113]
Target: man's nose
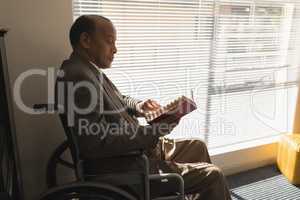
[115,49]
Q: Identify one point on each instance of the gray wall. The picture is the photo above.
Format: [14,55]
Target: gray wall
[38,38]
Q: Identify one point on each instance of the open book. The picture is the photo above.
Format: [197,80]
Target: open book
[172,112]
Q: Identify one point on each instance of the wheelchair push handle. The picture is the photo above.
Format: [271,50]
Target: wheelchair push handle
[44,107]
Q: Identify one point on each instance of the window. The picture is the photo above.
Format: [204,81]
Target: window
[238,56]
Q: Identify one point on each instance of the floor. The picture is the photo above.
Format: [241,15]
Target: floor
[262,184]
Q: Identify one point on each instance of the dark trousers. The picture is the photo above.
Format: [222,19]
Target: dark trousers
[190,159]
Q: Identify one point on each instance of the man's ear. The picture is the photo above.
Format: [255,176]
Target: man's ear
[85,40]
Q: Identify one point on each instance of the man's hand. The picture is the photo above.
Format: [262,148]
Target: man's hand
[147,106]
[164,128]
[150,105]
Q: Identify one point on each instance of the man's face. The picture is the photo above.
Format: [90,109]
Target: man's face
[102,46]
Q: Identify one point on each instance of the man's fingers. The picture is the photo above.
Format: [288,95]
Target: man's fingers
[154,104]
[150,105]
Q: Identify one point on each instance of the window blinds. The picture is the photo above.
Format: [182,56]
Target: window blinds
[251,90]
[237,56]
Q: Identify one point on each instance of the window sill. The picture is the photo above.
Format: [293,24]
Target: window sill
[244,145]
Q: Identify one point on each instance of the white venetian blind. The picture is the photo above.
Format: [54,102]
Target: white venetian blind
[163,46]
[254,68]
[238,56]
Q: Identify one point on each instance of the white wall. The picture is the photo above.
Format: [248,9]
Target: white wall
[38,38]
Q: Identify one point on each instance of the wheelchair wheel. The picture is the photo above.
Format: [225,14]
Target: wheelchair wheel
[86,191]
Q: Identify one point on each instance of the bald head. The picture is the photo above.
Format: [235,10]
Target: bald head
[87,24]
[94,37]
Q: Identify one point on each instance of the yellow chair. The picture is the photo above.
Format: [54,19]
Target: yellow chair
[288,155]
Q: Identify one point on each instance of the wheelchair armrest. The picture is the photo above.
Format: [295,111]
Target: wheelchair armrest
[91,166]
[167,177]
[127,154]
[144,170]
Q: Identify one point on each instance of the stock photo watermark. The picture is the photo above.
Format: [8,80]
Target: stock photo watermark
[69,91]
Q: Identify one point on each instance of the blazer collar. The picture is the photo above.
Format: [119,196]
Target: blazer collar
[78,58]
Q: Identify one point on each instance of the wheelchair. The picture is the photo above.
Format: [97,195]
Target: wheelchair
[109,186]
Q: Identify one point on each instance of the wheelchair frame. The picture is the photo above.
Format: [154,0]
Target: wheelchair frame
[71,143]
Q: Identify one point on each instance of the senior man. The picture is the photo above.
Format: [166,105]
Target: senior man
[93,40]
